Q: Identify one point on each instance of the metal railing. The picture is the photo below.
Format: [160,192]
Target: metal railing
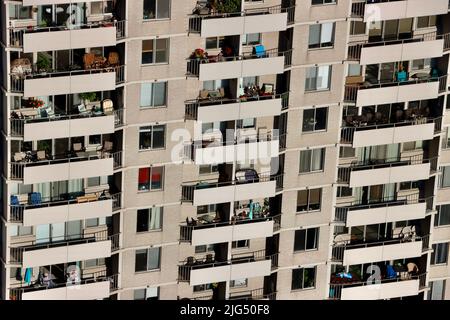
[16,252]
[345,172]
[347,133]
[396,200]
[188,188]
[351,91]
[358,9]
[336,288]
[192,106]
[337,252]
[119,117]
[255,294]
[195,21]
[16,211]
[17,168]
[16,293]
[186,231]
[193,65]
[117,201]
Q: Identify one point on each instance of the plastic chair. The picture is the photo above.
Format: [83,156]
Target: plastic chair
[259,51]
[14,200]
[35,198]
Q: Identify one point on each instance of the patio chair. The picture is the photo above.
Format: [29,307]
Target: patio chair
[18,157]
[88,60]
[113,59]
[14,200]
[82,109]
[190,261]
[107,147]
[78,147]
[108,106]
[35,198]
[209,258]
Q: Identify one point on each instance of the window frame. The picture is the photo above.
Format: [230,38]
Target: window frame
[156,18]
[147,259]
[320,44]
[308,202]
[311,158]
[302,286]
[154,51]
[316,77]
[316,239]
[152,97]
[150,129]
[148,212]
[150,171]
[314,130]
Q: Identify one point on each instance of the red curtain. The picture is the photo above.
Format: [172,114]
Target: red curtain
[144,175]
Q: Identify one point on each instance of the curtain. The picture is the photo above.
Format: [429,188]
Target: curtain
[146,94]
[155,218]
[44,189]
[389,191]
[323,77]
[393,152]
[358,194]
[327,32]
[317,159]
[42,233]
[305,161]
[75,185]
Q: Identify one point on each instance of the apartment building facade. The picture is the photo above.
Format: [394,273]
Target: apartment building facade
[254,149]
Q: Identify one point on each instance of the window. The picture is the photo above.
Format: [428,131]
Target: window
[354,70]
[151,178]
[426,22]
[344,192]
[155,51]
[315,119]
[149,219]
[308,200]
[440,253]
[446,139]
[445,177]
[20,12]
[240,244]
[208,168]
[321,35]
[408,185]
[357,28]
[437,290]
[204,248]
[92,263]
[205,209]
[147,259]
[421,64]
[146,294]
[318,78]
[251,39]
[314,2]
[303,278]
[156,9]
[214,42]
[246,123]
[442,217]
[346,152]
[153,94]
[152,137]
[238,283]
[95,139]
[95,222]
[203,287]
[413,145]
[312,160]
[306,239]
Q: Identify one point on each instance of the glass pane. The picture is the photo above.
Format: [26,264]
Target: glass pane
[323,77]
[159,136]
[317,158]
[327,34]
[308,120]
[302,200]
[321,118]
[146,94]
[311,240]
[149,11]
[314,35]
[305,161]
[157,178]
[300,240]
[153,258]
[163,10]
[159,92]
[142,220]
[141,260]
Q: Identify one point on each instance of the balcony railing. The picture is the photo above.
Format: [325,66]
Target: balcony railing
[195,21]
[119,120]
[17,168]
[192,106]
[184,269]
[17,80]
[354,48]
[351,91]
[347,133]
[345,172]
[188,188]
[193,65]
[16,252]
[186,230]
[336,289]
[341,212]
[16,293]
[16,34]
[256,294]
[337,252]
[16,211]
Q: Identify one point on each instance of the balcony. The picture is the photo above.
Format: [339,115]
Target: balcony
[401,286]
[268,62]
[430,45]
[423,88]
[391,10]
[92,34]
[212,192]
[248,145]
[256,294]
[401,246]
[77,248]
[245,265]
[227,109]
[359,132]
[257,20]
[95,287]
[389,209]
[36,166]
[384,171]
[67,207]
[62,126]
[241,229]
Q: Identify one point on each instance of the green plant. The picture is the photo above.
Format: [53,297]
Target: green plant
[228,6]
[91,96]
[43,62]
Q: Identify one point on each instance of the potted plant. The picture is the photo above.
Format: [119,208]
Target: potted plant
[88,97]
[43,63]
[34,103]
[227,6]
